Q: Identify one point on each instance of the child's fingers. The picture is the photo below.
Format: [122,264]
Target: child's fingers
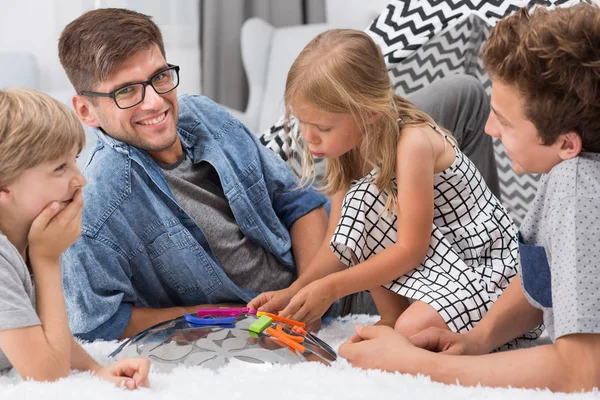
[261,302]
[43,219]
[372,331]
[143,369]
[123,382]
[136,368]
[302,314]
[257,301]
[275,304]
[354,339]
[267,306]
[427,339]
[292,308]
[72,211]
[348,350]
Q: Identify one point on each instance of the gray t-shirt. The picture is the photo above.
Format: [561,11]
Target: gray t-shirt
[197,188]
[17,294]
[565,220]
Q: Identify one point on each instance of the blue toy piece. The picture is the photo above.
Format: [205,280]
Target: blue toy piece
[208,320]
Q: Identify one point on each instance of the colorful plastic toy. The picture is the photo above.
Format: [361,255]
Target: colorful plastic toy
[215,337]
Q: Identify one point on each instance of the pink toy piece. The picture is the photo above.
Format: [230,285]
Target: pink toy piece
[225,311]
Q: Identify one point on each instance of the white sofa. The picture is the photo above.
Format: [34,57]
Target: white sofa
[267,55]
[22,70]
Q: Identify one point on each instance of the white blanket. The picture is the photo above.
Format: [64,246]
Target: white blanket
[273,382]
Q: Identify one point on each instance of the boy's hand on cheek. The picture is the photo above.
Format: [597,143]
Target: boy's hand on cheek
[54,230]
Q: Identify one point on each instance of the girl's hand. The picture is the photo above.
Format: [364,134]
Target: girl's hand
[311,302]
[54,230]
[130,373]
[272,302]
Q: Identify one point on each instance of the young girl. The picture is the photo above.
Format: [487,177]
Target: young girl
[409,212]
[40,216]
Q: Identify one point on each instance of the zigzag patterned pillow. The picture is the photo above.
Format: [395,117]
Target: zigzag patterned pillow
[280,141]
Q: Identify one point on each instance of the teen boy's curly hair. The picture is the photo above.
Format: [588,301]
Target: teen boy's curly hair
[553,60]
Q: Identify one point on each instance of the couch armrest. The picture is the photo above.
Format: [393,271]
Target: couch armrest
[256,47]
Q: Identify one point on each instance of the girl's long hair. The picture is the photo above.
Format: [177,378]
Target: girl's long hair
[343,71]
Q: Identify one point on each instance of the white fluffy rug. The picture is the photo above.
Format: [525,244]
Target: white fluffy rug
[273,382]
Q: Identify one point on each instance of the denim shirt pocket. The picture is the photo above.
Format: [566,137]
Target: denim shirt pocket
[257,191]
[174,255]
[535,273]
[254,183]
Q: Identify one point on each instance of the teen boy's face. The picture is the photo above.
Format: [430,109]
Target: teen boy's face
[328,135]
[150,125]
[43,184]
[519,136]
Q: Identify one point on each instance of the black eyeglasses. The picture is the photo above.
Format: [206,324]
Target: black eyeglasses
[133,94]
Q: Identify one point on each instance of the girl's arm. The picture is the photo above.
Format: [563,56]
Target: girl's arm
[307,234]
[415,167]
[323,263]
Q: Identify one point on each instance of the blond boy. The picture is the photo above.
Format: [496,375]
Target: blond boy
[40,216]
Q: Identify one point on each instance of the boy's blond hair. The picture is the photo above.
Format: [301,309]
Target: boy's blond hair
[343,71]
[34,129]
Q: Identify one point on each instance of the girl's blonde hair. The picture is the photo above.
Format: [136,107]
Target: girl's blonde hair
[34,129]
[343,71]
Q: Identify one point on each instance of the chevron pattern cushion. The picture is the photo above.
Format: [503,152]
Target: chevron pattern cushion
[427,40]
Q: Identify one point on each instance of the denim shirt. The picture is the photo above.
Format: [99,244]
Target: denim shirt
[139,248]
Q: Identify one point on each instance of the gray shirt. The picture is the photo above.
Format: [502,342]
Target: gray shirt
[17,294]
[565,219]
[197,188]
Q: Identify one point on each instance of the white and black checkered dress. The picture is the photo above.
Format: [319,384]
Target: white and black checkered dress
[473,252]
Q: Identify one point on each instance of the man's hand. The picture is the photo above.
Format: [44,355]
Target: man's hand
[272,302]
[54,230]
[311,302]
[443,340]
[129,372]
[378,347]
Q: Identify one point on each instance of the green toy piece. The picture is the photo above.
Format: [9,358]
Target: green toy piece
[261,324]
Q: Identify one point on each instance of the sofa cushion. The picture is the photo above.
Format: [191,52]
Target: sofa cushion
[19,69]
[286,44]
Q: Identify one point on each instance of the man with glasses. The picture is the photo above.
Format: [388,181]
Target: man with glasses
[183,206]
[132,95]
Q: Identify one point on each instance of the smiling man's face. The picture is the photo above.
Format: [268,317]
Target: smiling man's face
[150,125]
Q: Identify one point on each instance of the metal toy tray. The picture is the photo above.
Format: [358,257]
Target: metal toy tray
[208,342]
